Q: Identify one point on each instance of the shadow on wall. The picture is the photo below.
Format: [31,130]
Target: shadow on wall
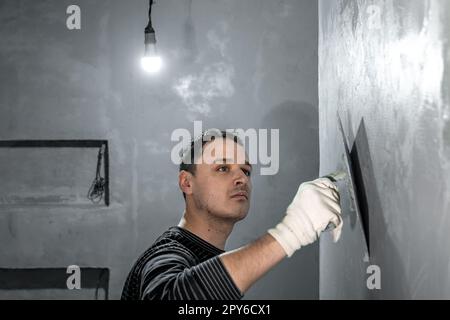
[381,245]
[298,162]
[299,142]
[298,159]
[298,152]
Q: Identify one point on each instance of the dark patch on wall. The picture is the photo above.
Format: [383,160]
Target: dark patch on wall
[189,36]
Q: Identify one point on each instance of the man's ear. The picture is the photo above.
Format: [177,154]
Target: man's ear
[185,182]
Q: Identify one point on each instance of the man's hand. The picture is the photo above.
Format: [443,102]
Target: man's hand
[315,205]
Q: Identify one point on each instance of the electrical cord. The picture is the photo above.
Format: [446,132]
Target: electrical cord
[97,189]
[149,27]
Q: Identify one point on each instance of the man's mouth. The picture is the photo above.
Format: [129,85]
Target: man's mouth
[241,195]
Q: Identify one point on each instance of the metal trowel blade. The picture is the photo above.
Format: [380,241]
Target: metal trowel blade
[351,180]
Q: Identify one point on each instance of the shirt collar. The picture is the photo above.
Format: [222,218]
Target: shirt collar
[199,241]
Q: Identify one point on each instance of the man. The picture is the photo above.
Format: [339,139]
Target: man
[188,261]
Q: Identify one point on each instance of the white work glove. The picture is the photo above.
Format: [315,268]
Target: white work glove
[314,207]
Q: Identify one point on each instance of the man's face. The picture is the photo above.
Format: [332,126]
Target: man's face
[221,184]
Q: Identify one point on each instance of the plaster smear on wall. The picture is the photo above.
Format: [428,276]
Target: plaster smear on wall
[201,92]
[198,92]
[217,39]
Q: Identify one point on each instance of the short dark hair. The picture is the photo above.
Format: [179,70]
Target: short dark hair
[198,143]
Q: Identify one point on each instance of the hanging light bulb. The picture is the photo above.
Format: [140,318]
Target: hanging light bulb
[151,61]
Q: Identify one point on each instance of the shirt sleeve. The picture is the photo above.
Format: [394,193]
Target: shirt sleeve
[171,276]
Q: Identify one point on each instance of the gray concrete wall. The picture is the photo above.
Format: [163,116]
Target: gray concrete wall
[249,64]
[389,80]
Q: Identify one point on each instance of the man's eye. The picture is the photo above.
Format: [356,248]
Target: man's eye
[247,173]
[222,169]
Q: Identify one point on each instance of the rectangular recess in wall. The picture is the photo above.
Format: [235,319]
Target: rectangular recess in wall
[51,283]
[51,172]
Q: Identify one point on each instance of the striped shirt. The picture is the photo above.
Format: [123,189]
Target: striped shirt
[180,266]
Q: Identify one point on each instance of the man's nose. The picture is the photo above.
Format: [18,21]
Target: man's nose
[240,178]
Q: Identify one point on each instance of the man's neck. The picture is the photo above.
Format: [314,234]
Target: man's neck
[214,231]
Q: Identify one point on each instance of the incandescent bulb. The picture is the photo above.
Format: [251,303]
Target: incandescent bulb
[151,64]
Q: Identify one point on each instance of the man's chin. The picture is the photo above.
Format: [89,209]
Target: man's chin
[234,216]
[238,216]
